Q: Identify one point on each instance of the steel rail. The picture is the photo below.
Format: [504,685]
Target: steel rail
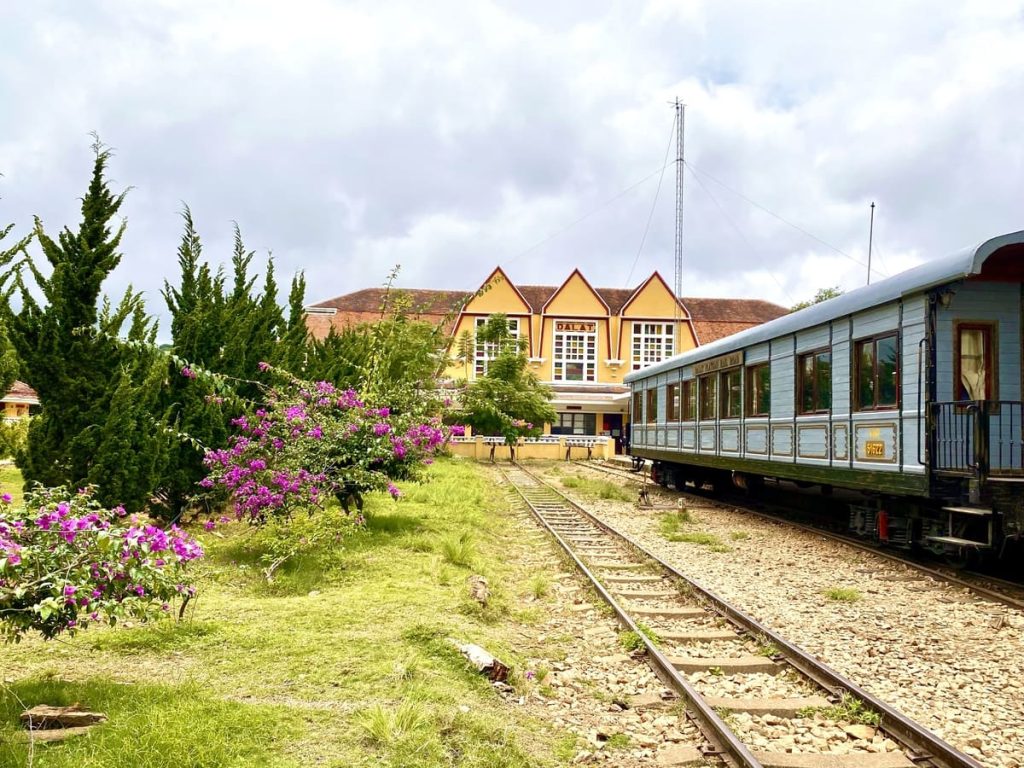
[726,744]
[926,745]
[978,589]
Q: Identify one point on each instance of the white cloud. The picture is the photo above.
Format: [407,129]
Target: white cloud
[349,136]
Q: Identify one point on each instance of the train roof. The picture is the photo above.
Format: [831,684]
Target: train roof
[962,264]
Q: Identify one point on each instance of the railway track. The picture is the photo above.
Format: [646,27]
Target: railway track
[696,642]
[990,587]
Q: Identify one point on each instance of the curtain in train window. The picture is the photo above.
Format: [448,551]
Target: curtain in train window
[974,362]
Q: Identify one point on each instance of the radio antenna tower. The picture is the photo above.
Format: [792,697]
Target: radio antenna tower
[680,135]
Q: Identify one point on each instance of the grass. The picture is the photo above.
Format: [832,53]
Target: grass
[632,641]
[342,661]
[459,550]
[849,709]
[539,586]
[597,489]
[843,594]
[10,482]
[617,741]
[151,725]
[739,535]
[766,647]
[670,526]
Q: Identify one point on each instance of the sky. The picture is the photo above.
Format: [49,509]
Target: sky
[449,137]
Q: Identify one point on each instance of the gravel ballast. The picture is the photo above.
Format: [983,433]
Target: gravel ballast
[952,661]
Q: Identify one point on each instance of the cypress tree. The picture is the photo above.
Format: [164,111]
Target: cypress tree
[69,352]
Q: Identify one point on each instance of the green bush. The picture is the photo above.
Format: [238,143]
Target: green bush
[13,437]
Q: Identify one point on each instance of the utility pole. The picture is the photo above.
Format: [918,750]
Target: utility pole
[871,239]
[680,135]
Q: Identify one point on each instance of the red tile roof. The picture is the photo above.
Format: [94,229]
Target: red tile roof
[712,318]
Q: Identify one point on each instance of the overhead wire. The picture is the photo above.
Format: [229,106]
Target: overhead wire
[590,213]
[654,204]
[785,221]
[735,227]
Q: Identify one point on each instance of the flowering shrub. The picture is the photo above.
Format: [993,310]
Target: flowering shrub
[312,442]
[65,562]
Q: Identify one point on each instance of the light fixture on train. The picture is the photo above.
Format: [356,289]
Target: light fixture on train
[946,297]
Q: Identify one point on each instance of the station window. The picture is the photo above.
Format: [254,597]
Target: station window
[974,361]
[877,371]
[652,406]
[708,397]
[575,351]
[759,390]
[486,351]
[732,393]
[815,382]
[652,343]
[575,424]
[689,400]
[672,402]
[638,402]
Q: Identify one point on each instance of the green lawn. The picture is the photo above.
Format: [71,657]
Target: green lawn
[341,662]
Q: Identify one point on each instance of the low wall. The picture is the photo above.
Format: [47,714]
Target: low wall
[479,448]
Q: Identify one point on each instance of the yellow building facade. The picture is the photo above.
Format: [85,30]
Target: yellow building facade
[580,340]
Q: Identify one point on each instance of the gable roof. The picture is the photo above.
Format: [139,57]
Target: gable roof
[655,275]
[576,273]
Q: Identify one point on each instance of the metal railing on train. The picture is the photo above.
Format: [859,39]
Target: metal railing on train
[981,437]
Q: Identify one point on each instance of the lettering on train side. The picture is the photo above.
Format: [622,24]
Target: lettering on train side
[719,363]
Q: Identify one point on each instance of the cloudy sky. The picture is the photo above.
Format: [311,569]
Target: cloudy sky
[347,137]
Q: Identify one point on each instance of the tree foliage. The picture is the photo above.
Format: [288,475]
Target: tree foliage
[69,352]
[509,400]
[391,362]
[823,294]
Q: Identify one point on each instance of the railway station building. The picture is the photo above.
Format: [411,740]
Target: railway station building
[580,340]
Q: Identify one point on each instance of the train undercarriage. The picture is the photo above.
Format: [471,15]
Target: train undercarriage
[967,524]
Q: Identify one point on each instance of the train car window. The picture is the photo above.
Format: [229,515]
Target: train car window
[637,408]
[759,390]
[708,397]
[732,394]
[672,402]
[877,362]
[815,377]
[974,360]
[652,406]
[689,400]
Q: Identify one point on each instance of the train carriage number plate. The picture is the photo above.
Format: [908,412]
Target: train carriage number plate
[874,449]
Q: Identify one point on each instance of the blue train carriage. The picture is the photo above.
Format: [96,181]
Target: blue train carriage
[908,390]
